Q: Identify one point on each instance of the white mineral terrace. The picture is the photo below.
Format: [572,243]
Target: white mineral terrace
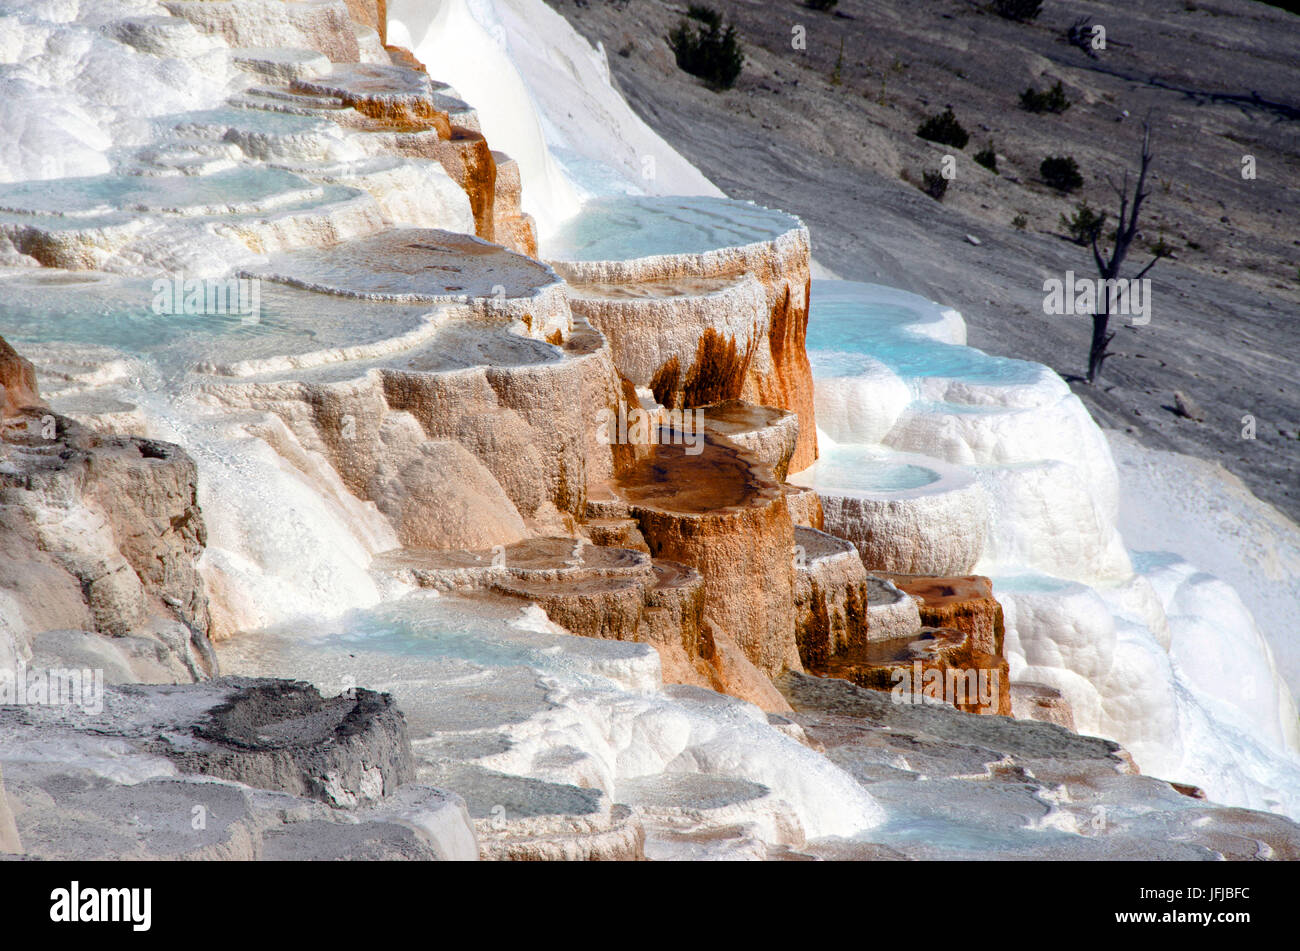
[1082,614]
[404,385]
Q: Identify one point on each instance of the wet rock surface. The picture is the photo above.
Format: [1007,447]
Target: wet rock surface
[980,787]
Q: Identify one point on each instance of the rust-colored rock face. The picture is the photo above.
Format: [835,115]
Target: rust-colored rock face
[398,96]
[717,373]
[517,232]
[789,383]
[18,379]
[400,101]
[728,670]
[939,665]
[469,161]
[401,56]
[713,337]
[371,13]
[513,228]
[831,597]
[721,512]
[964,604]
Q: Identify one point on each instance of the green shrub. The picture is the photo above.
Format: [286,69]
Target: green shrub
[1084,226]
[944,129]
[707,50]
[1061,172]
[934,185]
[1054,100]
[1022,11]
[822,5]
[988,158]
[1019,222]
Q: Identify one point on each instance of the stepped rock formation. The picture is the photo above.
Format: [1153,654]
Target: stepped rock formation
[458,422]
[722,513]
[455,418]
[964,604]
[705,327]
[429,457]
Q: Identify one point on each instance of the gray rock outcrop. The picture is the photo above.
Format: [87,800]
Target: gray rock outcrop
[228,769]
[100,537]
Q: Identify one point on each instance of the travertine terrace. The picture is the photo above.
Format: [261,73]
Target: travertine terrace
[544,520]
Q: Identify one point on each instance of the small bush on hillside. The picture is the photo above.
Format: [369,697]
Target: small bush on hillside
[988,158]
[1061,172]
[1160,247]
[1080,35]
[1084,226]
[1022,11]
[944,129]
[823,5]
[1054,100]
[706,49]
[934,185]
[1020,222]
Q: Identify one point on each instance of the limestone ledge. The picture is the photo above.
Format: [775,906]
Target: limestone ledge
[758,356]
[601,592]
[100,537]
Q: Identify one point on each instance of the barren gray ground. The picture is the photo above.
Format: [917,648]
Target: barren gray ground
[1225,323]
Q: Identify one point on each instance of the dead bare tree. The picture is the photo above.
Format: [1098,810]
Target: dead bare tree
[1109,267]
